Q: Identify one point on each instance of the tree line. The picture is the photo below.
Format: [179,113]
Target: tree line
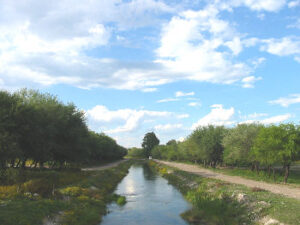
[254,145]
[39,128]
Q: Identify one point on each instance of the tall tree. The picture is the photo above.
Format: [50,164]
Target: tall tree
[238,142]
[149,142]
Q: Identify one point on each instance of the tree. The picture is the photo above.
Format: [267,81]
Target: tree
[238,142]
[136,153]
[277,144]
[208,140]
[149,142]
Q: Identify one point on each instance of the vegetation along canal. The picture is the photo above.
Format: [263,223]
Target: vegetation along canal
[150,200]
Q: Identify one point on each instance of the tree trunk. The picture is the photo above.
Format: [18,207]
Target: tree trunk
[12,163]
[269,171]
[273,173]
[23,163]
[257,168]
[18,164]
[287,172]
[252,167]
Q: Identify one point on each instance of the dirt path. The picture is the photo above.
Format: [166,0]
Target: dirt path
[107,166]
[275,188]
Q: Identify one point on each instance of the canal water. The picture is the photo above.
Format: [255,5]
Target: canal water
[150,200]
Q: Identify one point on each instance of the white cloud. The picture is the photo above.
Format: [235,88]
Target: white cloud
[259,5]
[194,104]
[257,115]
[297,59]
[191,43]
[168,127]
[182,94]
[217,116]
[293,4]
[183,116]
[286,101]
[129,118]
[248,82]
[168,100]
[282,47]
[270,120]
[149,89]
[181,139]
[46,44]
[276,119]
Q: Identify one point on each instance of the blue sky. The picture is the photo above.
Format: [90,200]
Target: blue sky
[136,66]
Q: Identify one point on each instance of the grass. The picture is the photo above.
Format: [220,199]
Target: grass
[216,202]
[79,197]
[294,177]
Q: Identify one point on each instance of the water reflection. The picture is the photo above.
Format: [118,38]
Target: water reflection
[151,200]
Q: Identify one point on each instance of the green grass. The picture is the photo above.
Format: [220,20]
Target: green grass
[294,177]
[79,197]
[215,203]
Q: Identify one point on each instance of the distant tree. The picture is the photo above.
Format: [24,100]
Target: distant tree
[171,142]
[136,153]
[149,142]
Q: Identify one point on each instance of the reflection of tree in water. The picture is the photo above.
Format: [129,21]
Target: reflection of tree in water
[149,174]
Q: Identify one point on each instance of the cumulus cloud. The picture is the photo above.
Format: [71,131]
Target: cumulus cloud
[129,118]
[191,45]
[217,116]
[248,82]
[126,120]
[49,43]
[182,94]
[293,4]
[286,101]
[270,120]
[168,127]
[194,104]
[281,47]
[46,44]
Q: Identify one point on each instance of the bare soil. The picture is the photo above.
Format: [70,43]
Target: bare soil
[274,188]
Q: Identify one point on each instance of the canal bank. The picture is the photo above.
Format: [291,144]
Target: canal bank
[217,202]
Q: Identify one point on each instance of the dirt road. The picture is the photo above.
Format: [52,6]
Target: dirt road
[275,188]
[107,166]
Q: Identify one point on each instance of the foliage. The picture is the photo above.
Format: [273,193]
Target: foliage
[38,128]
[79,197]
[136,153]
[149,142]
[238,142]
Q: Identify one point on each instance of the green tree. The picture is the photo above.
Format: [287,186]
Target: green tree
[238,142]
[149,142]
[277,145]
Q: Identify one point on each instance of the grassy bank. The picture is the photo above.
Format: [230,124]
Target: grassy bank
[218,203]
[263,175]
[70,197]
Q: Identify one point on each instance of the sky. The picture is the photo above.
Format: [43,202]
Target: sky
[137,66]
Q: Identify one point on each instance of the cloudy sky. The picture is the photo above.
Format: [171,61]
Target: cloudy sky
[166,66]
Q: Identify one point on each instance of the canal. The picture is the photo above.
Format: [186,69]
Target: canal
[150,200]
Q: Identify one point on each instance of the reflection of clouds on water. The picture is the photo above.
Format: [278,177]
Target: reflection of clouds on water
[129,187]
[150,200]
